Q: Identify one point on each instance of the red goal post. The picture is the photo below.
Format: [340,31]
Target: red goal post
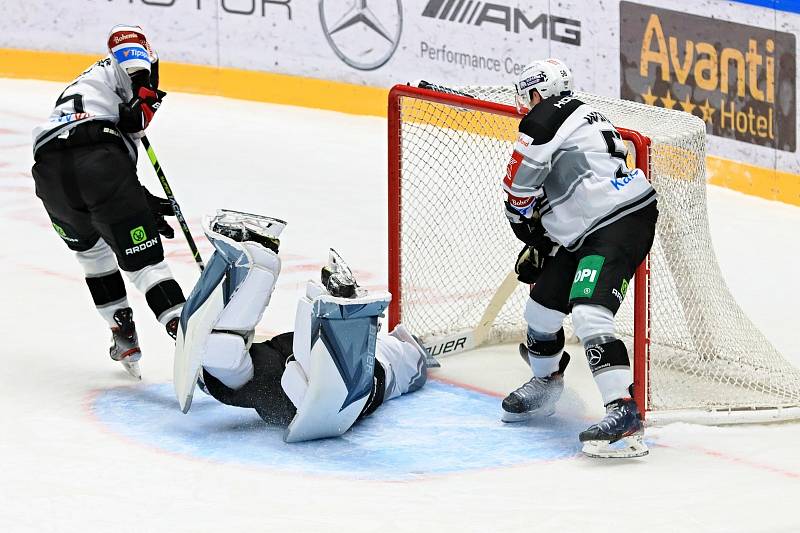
[641,149]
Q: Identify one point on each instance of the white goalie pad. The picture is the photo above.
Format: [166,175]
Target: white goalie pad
[230,296]
[334,348]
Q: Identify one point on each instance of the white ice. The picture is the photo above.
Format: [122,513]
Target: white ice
[324,172]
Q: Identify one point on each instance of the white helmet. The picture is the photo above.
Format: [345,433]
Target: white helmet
[550,77]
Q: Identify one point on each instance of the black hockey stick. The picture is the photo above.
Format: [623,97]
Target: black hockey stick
[175,207]
[422,84]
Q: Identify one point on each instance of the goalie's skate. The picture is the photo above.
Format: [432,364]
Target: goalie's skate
[243,227]
[125,343]
[537,397]
[619,434]
[338,279]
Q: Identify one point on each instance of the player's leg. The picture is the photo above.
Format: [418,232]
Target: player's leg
[607,262]
[120,212]
[543,351]
[54,174]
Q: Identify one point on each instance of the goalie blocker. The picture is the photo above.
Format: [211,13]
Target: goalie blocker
[334,369]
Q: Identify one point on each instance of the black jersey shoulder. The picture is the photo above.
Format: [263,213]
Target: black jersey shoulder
[543,121]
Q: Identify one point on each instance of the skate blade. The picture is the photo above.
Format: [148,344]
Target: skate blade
[132,368]
[511,418]
[624,448]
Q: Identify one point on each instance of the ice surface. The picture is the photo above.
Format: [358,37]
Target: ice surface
[83,448]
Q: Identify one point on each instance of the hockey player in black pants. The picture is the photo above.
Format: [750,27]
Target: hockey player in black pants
[85,174]
[334,369]
[587,221]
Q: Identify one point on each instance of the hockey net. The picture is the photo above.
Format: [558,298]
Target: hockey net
[697,357]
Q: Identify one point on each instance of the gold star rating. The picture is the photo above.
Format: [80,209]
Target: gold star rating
[708,112]
[649,98]
[668,101]
[687,104]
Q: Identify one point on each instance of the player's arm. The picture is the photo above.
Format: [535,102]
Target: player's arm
[136,57]
[530,164]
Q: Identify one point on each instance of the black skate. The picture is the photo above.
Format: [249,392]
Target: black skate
[537,397]
[124,342]
[243,227]
[337,277]
[618,434]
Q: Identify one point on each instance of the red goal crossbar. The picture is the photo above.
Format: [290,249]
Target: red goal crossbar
[641,146]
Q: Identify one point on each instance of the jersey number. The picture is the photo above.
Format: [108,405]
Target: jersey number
[615,144]
[76,99]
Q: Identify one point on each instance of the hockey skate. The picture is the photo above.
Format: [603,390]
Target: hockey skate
[338,279]
[537,397]
[619,434]
[124,342]
[243,227]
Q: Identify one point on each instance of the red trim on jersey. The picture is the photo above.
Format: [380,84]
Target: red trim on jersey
[513,166]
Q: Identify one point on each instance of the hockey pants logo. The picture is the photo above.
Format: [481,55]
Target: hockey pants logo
[586,276]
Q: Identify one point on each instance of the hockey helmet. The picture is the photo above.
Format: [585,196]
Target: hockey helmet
[550,77]
[129,47]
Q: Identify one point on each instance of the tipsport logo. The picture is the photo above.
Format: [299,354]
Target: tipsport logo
[131,52]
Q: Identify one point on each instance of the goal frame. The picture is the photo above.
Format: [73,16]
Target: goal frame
[641,280]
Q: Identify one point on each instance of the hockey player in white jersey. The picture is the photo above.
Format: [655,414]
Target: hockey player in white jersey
[587,221]
[85,174]
[335,368]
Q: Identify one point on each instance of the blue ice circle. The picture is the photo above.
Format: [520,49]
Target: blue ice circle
[438,430]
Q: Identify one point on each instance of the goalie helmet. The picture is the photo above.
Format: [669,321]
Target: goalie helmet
[550,77]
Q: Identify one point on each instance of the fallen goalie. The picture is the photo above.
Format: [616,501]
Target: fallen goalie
[334,369]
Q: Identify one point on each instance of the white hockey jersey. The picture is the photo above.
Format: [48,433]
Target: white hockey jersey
[570,163]
[94,95]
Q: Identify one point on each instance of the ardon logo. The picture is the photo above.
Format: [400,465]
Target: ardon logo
[363,33]
[138,235]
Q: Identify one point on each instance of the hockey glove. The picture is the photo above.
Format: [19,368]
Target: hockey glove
[530,263]
[136,115]
[161,207]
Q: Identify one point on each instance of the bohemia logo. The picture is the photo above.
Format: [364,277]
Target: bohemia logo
[739,79]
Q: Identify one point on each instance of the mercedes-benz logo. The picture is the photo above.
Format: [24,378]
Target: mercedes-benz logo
[595,355]
[363,36]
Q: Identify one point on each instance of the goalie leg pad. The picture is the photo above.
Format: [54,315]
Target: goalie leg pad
[403,365]
[228,360]
[230,296]
[334,345]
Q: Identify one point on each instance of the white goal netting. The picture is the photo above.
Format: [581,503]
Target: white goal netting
[707,361]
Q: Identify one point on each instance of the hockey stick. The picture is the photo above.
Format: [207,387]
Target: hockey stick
[175,207]
[469,339]
[422,84]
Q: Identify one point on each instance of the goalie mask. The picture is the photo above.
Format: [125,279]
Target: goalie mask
[550,77]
